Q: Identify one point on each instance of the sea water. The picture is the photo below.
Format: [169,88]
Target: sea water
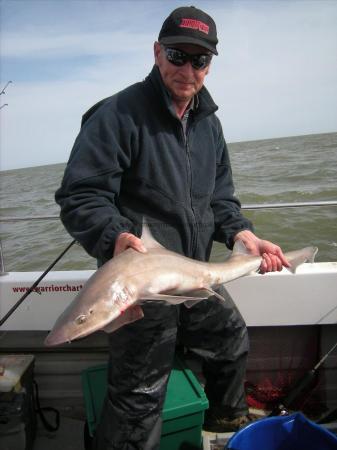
[292,169]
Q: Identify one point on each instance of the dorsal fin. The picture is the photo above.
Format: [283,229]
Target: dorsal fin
[147,238]
[240,248]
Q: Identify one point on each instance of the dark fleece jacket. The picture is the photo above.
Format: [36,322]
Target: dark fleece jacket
[132,159]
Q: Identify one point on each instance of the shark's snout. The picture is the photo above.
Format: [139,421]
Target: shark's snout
[54,338]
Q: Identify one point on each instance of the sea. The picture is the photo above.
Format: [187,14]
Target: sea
[290,169]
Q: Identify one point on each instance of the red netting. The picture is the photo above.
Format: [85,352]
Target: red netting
[267,393]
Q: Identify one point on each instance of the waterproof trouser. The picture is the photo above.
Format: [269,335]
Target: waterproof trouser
[141,358]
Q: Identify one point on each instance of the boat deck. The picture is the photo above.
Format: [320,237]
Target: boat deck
[289,352]
[68,437]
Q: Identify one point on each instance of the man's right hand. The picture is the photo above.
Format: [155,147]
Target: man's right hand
[128,240]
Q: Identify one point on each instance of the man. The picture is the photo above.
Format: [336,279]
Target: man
[156,150]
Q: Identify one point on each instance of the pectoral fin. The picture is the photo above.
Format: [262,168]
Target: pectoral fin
[189,300]
[130,315]
[170,299]
[205,293]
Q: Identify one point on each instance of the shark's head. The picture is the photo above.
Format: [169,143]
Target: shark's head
[77,323]
[92,309]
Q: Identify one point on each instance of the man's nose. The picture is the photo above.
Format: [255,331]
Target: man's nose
[187,69]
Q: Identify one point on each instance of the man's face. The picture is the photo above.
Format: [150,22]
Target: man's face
[183,82]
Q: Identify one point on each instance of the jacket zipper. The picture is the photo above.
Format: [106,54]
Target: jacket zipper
[189,168]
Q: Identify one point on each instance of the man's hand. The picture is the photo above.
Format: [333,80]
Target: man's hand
[273,257]
[128,240]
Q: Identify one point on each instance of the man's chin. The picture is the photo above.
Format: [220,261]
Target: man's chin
[183,96]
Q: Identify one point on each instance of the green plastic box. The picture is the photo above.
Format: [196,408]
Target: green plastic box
[183,412]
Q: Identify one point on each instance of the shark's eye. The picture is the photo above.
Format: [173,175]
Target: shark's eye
[81,319]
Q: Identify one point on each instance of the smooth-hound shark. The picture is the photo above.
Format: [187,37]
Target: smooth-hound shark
[113,295]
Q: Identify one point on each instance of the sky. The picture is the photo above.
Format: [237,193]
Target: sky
[275,75]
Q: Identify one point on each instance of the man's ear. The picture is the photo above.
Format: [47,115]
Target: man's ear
[207,69]
[156,51]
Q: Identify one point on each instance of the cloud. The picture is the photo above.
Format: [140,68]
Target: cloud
[278,75]
[42,45]
[275,74]
[42,120]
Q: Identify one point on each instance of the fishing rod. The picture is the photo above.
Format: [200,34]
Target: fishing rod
[281,408]
[4,89]
[34,285]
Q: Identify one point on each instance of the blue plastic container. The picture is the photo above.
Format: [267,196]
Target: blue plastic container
[294,432]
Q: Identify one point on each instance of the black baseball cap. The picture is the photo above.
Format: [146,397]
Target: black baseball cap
[189,25]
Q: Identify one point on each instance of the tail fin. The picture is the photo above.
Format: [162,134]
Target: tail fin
[298,257]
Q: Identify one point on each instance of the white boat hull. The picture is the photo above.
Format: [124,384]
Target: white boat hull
[308,297]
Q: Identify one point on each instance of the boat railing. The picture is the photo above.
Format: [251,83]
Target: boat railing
[2,261]
[248,206]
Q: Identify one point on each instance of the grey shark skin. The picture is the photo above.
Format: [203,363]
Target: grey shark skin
[113,295]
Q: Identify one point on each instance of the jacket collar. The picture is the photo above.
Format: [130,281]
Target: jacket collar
[204,105]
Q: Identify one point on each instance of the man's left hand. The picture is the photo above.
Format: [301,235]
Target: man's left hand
[273,257]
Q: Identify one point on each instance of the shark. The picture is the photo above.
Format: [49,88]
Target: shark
[113,296]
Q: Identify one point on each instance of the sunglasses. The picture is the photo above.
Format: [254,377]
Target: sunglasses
[179,58]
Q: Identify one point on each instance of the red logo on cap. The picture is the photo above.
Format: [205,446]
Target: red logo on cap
[195,24]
